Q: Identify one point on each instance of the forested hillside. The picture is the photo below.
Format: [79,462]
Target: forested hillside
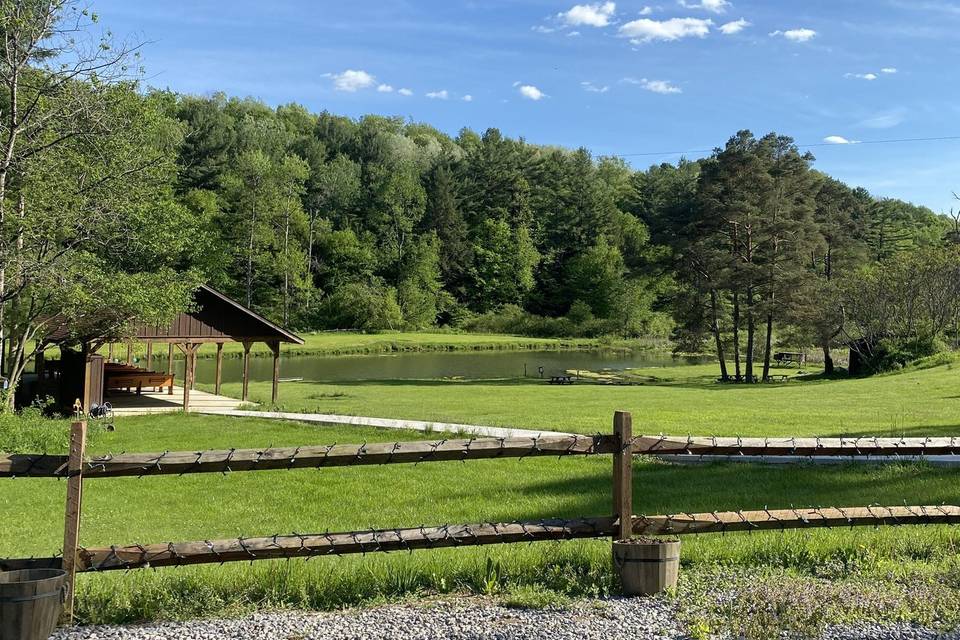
[322,221]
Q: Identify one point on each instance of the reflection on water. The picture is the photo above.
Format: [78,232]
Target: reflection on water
[465,365]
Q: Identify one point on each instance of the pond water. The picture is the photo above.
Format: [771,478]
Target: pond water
[412,366]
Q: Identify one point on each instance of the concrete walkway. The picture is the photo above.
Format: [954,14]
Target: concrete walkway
[385,423]
[130,404]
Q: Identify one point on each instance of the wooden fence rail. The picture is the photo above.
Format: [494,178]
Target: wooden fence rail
[621,445]
[420,451]
[461,535]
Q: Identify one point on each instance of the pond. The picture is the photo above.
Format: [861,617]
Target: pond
[413,366]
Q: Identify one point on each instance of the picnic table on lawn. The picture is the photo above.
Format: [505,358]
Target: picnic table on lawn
[561,379]
[790,357]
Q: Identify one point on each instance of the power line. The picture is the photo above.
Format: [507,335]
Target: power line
[801,146]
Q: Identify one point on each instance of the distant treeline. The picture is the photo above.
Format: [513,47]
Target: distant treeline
[323,221]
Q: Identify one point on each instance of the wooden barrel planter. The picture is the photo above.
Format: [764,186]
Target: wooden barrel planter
[31,602]
[646,566]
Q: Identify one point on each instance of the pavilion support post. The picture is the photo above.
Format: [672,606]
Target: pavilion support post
[193,372]
[40,362]
[246,371]
[190,355]
[130,352]
[110,352]
[219,374]
[170,365]
[149,356]
[275,395]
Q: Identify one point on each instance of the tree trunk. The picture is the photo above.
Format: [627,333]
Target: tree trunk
[766,351]
[717,336]
[736,336]
[286,269]
[250,245]
[313,217]
[827,359]
[751,337]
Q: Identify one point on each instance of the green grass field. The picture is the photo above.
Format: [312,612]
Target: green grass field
[915,571]
[674,400]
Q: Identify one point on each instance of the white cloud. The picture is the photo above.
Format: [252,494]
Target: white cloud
[731,28]
[646,30]
[542,29]
[467,98]
[591,15]
[713,6]
[861,76]
[573,34]
[443,94]
[646,11]
[888,70]
[351,80]
[796,35]
[405,92]
[839,140]
[531,92]
[593,88]
[385,88]
[664,87]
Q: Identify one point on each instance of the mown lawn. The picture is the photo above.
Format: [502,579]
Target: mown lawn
[674,400]
[916,568]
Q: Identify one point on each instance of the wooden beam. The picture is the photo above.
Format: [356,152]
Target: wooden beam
[317,456]
[303,546]
[71,529]
[310,545]
[837,447]
[275,393]
[193,366]
[189,368]
[170,365]
[623,475]
[149,356]
[130,352]
[780,519]
[219,374]
[110,352]
[246,371]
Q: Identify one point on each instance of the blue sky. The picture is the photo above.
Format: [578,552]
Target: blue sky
[629,78]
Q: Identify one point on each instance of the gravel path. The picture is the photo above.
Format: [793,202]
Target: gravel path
[609,619]
[603,620]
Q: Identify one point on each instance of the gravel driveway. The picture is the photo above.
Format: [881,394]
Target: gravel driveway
[467,619]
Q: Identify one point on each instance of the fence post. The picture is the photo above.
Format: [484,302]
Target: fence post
[623,475]
[71,528]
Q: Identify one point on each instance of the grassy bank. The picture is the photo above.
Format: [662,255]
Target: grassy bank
[790,580]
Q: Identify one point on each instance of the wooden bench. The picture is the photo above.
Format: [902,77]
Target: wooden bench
[790,357]
[138,380]
[561,379]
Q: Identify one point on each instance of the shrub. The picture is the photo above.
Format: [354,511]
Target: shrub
[357,305]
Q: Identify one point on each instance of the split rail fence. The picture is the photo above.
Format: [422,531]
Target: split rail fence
[622,445]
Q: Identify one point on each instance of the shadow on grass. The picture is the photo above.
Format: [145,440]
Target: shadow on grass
[664,488]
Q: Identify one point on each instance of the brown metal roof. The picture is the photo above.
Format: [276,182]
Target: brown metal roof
[218,318]
[215,318]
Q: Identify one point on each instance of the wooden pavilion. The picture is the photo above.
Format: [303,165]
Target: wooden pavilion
[215,318]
